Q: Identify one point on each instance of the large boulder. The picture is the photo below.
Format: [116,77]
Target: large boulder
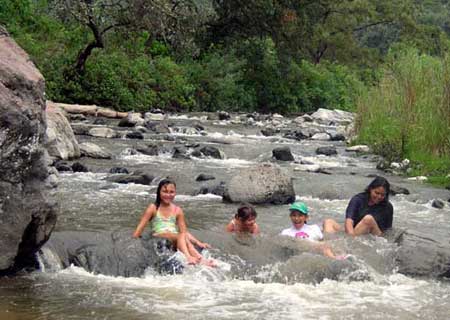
[333,117]
[26,217]
[421,255]
[265,183]
[61,142]
[113,253]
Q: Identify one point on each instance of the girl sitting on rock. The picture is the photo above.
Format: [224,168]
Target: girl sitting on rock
[167,221]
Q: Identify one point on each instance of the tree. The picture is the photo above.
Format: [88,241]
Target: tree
[307,29]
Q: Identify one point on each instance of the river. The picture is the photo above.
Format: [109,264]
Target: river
[255,279]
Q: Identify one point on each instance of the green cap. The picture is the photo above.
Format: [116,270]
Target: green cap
[299,206]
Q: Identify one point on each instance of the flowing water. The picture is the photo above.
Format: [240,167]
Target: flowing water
[267,277]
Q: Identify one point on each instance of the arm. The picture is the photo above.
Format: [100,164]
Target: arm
[350,214]
[256,229]
[181,222]
[146,217]
[349,227]
[230,226]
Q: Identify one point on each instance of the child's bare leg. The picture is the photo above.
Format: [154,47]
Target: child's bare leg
[192,251]
[180,241]
[331,226]
[197,242]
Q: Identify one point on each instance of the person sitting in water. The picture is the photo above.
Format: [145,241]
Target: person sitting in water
[299,215]
[168,222]
[368,212]
[244,221]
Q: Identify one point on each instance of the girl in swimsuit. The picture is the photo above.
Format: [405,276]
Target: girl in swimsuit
[167,221]
[244,221]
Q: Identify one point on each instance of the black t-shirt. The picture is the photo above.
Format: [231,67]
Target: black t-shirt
[358,207]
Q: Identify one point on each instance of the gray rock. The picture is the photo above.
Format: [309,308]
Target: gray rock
[27,218]
[267,132]
[61,142]
[204,177]
[112,253]
[333,117]
[180,152]
[131,120]
[102,133]
[135,135]
[438,204]
[135,177]
[421,255]
[321,136]
[89,149]
[151,150]
[265,183]
[118,170]
[78,167]
[398,190]
[282,154]
[212,152]
[328,151]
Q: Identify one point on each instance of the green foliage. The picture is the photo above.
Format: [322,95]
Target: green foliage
[291,87]
[171,85]
[112,79]
[408,114]
[219,82]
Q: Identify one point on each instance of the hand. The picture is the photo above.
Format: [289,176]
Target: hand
[204,245]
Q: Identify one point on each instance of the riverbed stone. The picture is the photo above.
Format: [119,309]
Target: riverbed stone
[136,177]
[102,132]
[333,117]
[327,151]
[282,154]
[113,253]
[422,255]
[89,149]
[131,120]
[395,189]
[437,203]
[27,218]
[213,152]
[265,183]
[61,142]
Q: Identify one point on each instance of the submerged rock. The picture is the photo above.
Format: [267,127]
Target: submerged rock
[113,253]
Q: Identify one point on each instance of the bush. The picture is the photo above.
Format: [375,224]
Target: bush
[218,79]
[286,86]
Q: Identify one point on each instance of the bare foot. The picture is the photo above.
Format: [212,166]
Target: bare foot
[192,260]
[209,263]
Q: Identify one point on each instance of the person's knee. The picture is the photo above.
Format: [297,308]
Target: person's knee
[369,221]
[329,225]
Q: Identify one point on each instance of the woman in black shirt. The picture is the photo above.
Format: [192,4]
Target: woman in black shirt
[370,211]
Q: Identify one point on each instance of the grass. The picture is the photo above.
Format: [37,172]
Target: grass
[407,115]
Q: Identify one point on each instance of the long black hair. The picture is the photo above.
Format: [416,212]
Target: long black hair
[162,183]
[379,182]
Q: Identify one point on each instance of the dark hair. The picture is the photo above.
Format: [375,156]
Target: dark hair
[380,182]
[162,183]
[245,212]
